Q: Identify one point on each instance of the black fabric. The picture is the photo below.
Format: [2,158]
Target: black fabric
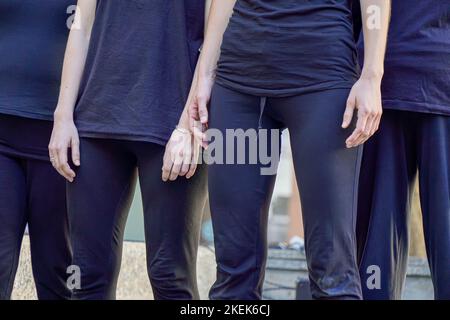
[33,36]
[139,68]
[99,200]
[417,64]
[25,138]
[33,193]
[408,144]
[327,174]
[289,47]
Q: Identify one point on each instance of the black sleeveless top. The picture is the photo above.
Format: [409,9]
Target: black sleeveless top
[289,47]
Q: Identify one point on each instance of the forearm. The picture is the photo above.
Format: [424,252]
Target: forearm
[75,58]
[220,13]
[375,16]
[184,119]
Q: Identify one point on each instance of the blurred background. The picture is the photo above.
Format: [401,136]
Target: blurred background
[286,275]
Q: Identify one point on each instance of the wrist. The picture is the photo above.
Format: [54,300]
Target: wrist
[205,73]
[183,125]
[61,115]
[372,74]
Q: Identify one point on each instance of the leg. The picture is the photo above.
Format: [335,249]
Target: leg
[239,199]
[386,185]
[327,174]
[172,214]
[12,220]
[98,203]
[434,177]
[50,249]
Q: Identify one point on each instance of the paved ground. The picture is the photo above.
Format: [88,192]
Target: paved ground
[133,281]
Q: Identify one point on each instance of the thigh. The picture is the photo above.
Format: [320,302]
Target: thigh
[50,245]
[327,172]
[98,201]
[387,178]
[172,215]
[434,178]
[327,175]
[13,197]
[239,194]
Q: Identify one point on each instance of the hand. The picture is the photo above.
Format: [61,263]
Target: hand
[198,109]
[64,136]
[181,155]
[365,96]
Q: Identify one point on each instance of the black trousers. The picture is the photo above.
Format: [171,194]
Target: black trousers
[327,174]
[99,200]
[408,144]
[33,193]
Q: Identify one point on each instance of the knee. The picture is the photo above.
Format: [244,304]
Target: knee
[172,282]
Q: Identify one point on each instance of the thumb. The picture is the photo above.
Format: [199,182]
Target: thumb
[349,110]
[203,110]
[75,147]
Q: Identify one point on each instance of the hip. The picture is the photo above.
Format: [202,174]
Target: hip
[25,138]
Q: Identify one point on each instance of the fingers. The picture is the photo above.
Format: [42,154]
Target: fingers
[202,102]
[58,157]
[198,127]
[377,121]
[193,161]
[349,110]
[359,132]
[53,156]
[180,158]
[167,166]
[187,157]
[200,136]
[368,123]
[175,172]
[75,147]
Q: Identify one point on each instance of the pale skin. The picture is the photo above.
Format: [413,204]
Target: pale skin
[364,100]
[182,150]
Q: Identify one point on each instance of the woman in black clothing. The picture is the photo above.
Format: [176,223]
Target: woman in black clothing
[33,35]
[126,78]
[275,64]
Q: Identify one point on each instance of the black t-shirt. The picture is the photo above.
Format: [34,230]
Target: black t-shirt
[139,68]
[33,36]
[289,47]
[417,65]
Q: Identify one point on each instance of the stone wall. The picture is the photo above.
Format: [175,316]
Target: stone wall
[133,280]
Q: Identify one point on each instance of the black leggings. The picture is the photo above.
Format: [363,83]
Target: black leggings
[327,175]
[33,193]
[99,200]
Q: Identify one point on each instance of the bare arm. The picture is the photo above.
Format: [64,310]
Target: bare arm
[181,155]
[75,57]
[65,134]
[184,119]
[221,11]
[376,16]
[219,16]
[365,96]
